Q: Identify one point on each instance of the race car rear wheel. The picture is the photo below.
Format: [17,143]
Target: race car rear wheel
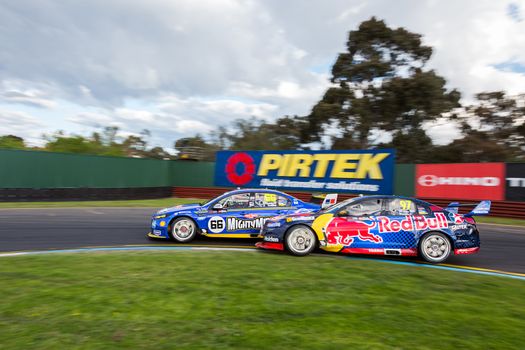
[435,247]
[300,240]
[183,230]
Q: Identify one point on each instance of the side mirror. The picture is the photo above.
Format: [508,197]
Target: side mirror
[342,213]
[217,206]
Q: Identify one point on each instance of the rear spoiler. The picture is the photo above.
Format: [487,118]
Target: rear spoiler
[482,208]
[327,200]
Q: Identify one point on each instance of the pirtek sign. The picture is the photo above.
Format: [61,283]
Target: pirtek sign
[359,171]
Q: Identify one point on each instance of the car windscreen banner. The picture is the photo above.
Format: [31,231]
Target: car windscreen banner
[353,171]
[515,180]
[471,181]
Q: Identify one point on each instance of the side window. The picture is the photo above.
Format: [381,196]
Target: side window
[270,200]
[236,201]
[423,209]
[363,208]
[400,206]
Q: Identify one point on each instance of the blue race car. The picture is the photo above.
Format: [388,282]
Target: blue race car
[234,214]
[379,225]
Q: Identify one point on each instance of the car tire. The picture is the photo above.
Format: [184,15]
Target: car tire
[434,247]
[183,230]
[300,240]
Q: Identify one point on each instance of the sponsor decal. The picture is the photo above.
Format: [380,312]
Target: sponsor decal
[342,232]
[362,171]
[153,224]
[236,224]
[459,227]
[273,224]
[411,223]
[271,239]
[157,232]
[216,224]
[461,181]
[251,216]
[300,218]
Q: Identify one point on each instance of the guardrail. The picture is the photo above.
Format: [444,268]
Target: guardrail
[499,208]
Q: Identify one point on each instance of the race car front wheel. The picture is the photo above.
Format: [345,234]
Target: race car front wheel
[434,247]
[300,240]
[183,230]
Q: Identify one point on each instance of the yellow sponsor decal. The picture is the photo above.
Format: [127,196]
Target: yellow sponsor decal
[270,197]
[345,165]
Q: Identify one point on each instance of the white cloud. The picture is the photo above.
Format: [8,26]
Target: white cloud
[180,67]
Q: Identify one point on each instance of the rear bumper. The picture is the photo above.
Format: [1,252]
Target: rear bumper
[270,245]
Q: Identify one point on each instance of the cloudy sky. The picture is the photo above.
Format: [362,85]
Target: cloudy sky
[180,67]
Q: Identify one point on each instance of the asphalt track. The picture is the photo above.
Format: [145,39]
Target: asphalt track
[503,247]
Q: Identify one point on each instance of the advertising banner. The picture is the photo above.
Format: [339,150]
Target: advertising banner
[354,171]
[515,190]
[472,181]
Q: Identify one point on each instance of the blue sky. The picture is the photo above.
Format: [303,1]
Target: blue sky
[182,67]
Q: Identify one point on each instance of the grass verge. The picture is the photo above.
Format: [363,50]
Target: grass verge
[251,300]
[500,221]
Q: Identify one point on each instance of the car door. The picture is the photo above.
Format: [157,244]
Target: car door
[269,204]
[399,223]
[355,225]
[228,215]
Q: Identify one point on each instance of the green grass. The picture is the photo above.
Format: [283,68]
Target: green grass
[250,300]
[157,203]
[501,221]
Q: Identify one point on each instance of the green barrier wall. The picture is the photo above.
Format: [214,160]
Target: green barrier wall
[404,180]
[33,169]
[191,174]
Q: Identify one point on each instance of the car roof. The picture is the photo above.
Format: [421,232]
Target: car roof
[244,190]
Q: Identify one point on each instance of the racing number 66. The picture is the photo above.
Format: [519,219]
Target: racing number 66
[216,224]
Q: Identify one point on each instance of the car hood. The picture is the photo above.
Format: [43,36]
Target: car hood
[178,208]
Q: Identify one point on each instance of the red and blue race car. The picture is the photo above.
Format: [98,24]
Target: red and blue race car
[380,225]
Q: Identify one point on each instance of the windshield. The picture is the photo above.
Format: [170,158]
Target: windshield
[338,205]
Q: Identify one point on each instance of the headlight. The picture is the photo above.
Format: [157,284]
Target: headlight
[153,224]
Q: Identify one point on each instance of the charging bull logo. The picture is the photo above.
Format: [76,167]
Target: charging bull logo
[341,232]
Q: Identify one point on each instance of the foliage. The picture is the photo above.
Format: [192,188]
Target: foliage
[12,142]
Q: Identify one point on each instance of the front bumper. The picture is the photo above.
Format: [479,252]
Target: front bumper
[158,236]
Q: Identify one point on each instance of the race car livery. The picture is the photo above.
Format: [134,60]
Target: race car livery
[380,225]
[234,214]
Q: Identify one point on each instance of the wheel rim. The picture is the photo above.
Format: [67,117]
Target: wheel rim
[436,247]
[301,240]
[183,229]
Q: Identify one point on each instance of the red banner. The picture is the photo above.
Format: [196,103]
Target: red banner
[473,181]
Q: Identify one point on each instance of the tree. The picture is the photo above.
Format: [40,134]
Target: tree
[195,148]
[380,84]
[12,142]
[256,134]
[493,130]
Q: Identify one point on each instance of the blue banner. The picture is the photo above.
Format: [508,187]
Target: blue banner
[353,171]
